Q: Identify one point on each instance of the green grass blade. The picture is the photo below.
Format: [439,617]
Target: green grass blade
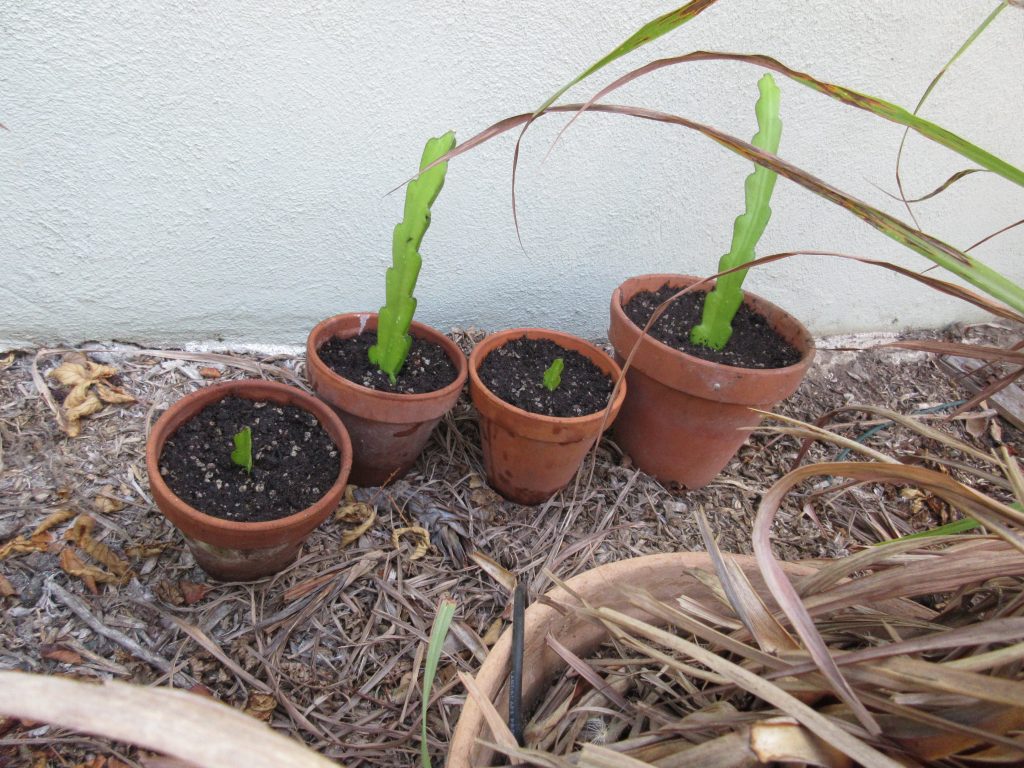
[959,263]
[957,526]
[878,107]
[652,30]
[924,97]
[438,633]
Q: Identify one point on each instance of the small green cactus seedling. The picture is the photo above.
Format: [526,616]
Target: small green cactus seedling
[721,304]
[393,339]
[553,375]
[242,455]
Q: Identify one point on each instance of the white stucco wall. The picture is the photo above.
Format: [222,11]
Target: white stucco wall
[182,171]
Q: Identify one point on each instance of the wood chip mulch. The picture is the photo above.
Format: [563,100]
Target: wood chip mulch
[331,650]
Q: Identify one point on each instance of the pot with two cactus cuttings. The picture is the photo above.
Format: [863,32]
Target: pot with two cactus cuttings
[246,470]
[391,379]
[544,398]
[715,356]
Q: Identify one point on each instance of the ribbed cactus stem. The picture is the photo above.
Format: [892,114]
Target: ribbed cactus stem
[393,339]
[724,300]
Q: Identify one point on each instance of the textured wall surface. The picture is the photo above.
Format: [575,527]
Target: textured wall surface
[180,171]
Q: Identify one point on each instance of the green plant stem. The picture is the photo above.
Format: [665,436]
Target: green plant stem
[721,304]
[553,375]
[393,339]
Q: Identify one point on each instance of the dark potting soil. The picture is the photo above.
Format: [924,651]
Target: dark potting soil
[426,369]
[515,373]
[753,344]
[295,462]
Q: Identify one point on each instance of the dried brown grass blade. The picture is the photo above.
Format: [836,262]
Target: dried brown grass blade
[759,621]
[786,741]
[589,674]
[493,569]
[814,721]
[499,728]
[193,728]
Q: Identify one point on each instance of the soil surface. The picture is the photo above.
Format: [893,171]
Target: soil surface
[515,373]
[294,461]
[754,344]
[426,369]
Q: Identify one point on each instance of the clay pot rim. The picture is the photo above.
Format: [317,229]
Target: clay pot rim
[421,330]
[492,677]
[479,354]
[319,409]
[750,299]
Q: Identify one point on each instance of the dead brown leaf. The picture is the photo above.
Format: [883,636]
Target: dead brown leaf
[355,512]
[142,551]
[107,502]
[6,588]
[88,392]
[73,565]
[422,545]
[209,373]
[59,653]
[191,592]
[261,706]
[21,545]
[54,519]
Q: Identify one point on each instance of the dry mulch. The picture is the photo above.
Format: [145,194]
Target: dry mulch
[330,651]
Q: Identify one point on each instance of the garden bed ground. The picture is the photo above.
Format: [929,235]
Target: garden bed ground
[330,650]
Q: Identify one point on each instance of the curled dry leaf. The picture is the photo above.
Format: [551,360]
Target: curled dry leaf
[88,392]
[55,652]
[494,570]
[191,592]
[261,706]
[145,550]
[422,545]
[21,545]
[7,361]
[107,502]
[54,519]
[6,588]
[209,373]
[73,565]
[357,512]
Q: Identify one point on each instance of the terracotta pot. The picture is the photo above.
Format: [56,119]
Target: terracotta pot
[235,551]
[529,457]
[684,417]
[664,576]
[388,429]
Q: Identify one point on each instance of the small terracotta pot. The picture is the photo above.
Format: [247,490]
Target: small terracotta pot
[664,576]
[529,457]
[684,417]
[234,551]
[388,429]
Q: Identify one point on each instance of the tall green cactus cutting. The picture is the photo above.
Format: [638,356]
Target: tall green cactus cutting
[393,339]
[724,300]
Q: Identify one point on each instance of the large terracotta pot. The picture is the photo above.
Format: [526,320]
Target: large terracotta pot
[235,551]
[684,417]
[529,457]
[388,429]
[664,576]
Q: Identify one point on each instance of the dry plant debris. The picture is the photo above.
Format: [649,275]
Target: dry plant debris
[90,390]
[338,638]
